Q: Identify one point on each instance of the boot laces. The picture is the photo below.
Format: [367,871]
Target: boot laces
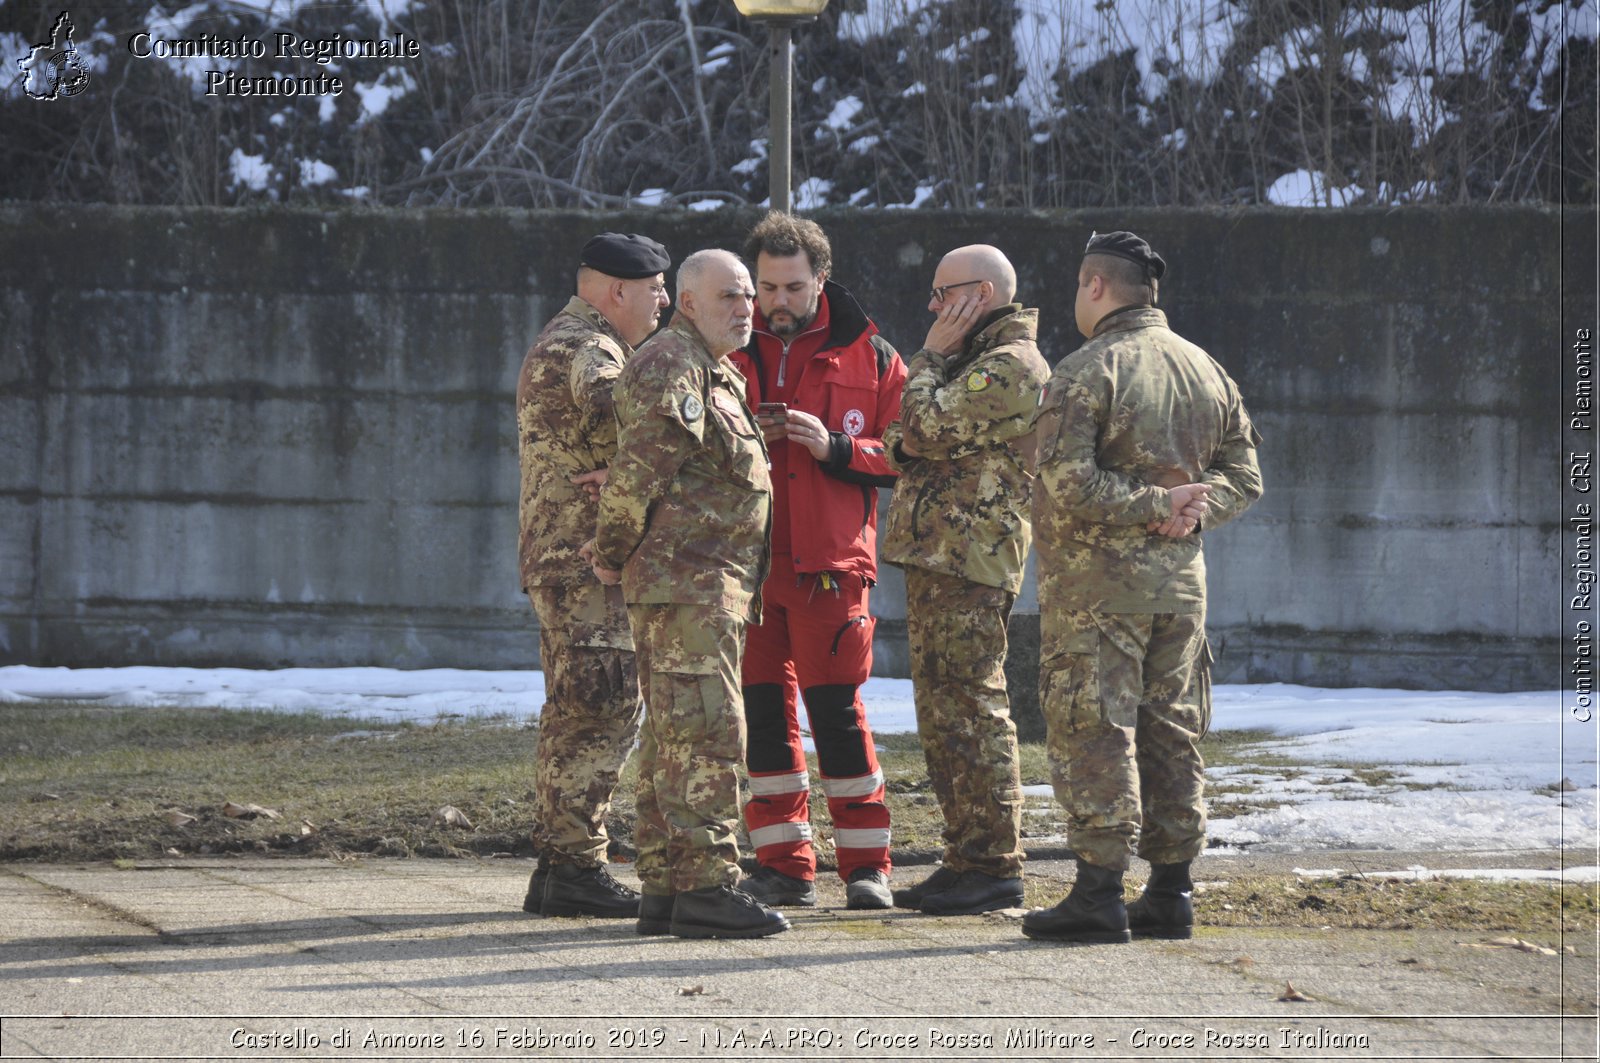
[604,880]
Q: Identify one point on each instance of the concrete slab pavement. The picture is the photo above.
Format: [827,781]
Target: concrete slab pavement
[421,959]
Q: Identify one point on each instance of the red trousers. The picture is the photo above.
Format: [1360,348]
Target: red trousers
[815,638]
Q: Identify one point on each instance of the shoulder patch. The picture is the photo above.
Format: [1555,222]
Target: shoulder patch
[978,379]
[692,408]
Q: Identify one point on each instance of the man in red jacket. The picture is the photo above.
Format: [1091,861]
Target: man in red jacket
[825,385]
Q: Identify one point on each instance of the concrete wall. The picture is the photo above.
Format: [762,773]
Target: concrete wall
[285,437]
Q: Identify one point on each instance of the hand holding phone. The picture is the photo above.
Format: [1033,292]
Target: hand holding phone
[770,418]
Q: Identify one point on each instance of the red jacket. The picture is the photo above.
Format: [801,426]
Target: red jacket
[852,384]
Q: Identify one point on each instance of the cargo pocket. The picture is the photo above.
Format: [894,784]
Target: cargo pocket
[1009,797]
[1069,667]
[986,667]
[688,687]
[1202,686]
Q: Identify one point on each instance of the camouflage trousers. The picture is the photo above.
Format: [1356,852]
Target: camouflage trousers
[589,721]
[1127,698]
[957,635]
[692,746]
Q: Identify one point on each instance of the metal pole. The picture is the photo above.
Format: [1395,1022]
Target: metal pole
[779,142]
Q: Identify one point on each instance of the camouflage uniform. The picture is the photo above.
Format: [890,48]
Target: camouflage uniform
[686,516]
[959,525]
[1125,671]
[590,719]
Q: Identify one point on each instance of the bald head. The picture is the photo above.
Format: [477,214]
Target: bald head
[987,263]
[971,284]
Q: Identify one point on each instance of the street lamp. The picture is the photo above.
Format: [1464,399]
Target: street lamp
[781,16]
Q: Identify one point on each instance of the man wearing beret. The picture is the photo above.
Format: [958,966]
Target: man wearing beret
[1143,442]
[958,526]
[567,436]
[684,525]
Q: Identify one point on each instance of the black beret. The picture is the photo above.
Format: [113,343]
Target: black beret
[625,255]
[1127,245]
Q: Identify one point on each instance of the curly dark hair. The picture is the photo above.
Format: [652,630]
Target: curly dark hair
[782,235]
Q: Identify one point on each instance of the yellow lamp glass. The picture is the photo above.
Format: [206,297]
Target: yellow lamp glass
[759,9]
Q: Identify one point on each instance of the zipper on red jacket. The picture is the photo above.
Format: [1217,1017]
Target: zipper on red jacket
[783,359]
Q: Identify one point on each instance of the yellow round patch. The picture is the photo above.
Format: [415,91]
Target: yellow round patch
[977,380]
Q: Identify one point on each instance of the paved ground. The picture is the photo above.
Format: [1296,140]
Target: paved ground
[413,959]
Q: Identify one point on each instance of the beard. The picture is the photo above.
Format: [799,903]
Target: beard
[788,324]
[729,338]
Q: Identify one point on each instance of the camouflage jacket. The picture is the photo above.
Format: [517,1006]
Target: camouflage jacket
[686,512]
[961,506]
[1135,410]
[565,426]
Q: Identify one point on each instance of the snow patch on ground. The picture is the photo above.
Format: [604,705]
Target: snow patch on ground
[1454,770]
[1418,873]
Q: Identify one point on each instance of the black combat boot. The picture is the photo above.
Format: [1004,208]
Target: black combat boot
[912,896]
[1166,908]
[975,892]
[1092,913]
[533,903]
[655,913]
[723,912]
[574,890]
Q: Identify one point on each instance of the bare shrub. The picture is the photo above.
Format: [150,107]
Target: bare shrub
[950,103]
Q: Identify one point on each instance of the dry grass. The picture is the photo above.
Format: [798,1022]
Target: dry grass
[93,782]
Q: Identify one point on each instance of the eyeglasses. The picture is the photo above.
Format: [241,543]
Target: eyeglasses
[941,293]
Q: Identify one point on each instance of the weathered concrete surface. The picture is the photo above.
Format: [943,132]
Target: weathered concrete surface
[196,958]
[285,437]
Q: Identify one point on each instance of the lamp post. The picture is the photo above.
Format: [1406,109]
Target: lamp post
[781,16]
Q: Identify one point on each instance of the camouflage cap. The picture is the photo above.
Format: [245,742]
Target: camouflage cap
[625,255]
[1126,245]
